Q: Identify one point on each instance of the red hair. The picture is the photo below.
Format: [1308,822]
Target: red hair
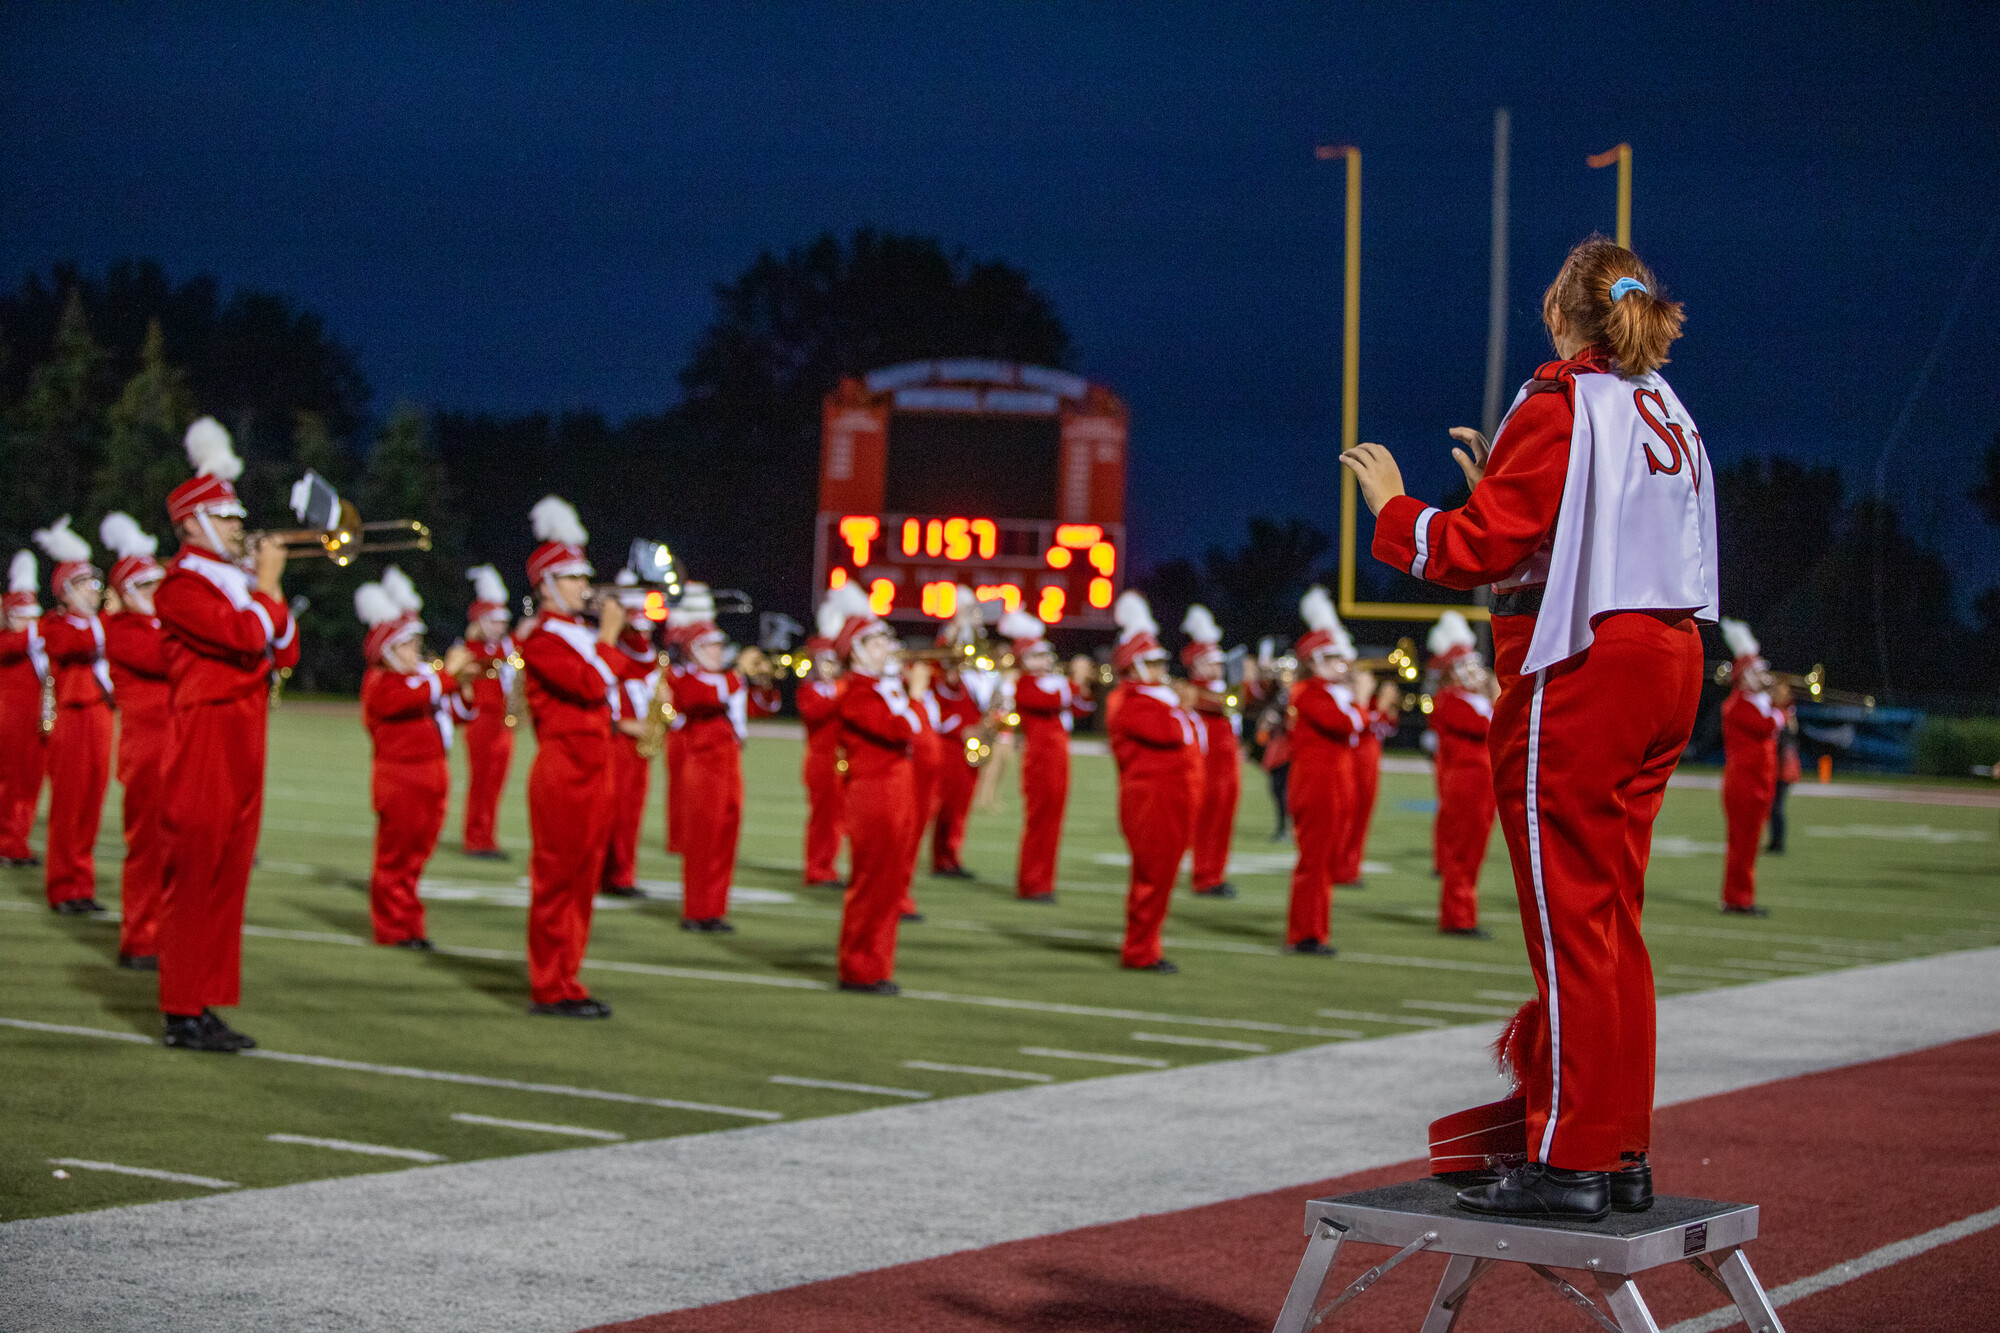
[1636,328]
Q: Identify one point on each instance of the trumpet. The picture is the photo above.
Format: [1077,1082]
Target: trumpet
[1401,662]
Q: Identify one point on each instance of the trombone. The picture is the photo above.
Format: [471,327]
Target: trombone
[335,529]
[976,656]
[1808,688]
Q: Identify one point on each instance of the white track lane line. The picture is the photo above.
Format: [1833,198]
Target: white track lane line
[794,1081]
[178,1177]
[1141,1061]
[1253,1047]
[404,1071]
[1840,1273]
[349,1145]
[1023,1075]
[540,1127]
[1405,1020]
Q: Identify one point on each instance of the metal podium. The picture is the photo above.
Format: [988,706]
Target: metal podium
[1420,1217]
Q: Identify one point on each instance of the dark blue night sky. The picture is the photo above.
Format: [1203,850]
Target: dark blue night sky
[507,207]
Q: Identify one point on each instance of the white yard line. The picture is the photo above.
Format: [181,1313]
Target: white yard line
[150,1173]
[1253,1047]
[349,1145]
[1407,1020]
[1847,1271]
[1453,1007]
[795,1081]
[540,1127]
[72,1030]
[1022,1075]
[1140,1061]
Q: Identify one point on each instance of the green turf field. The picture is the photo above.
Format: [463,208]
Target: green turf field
[711,1021]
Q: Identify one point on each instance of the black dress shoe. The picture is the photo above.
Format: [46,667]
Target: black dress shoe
[1162,966]
[1222,890]
[1318,948]
[78,907]
[824,884]
[1352,885]
[622,891]
[1045,899]
[1632,1184]
[489,854]
[572,1009]
[205,1032]
[139,962]
[912,916]
[952,872]
[417,943]
[872,987]
[1468,932]
[1540,1191]
[715,925]
[28,862]
[1730,909]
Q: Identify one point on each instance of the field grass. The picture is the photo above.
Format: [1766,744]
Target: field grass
[711,1020]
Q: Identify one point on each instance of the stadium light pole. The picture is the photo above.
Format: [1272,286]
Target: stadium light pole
[1622,155]
[1350,356]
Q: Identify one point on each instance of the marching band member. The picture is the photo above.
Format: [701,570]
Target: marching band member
[1151,735]
[489,737]
[760,682]
[24,746]
[697,605]
[1222,777]
[631,771]
[228,631]
[1326,730]
[80,740]
[713,701]
[1750,727]
[956,711]
[1461,713]
[571,674]
[135,645]
[1788,762]
[819,709]
[878,729]
[926,760]
[1381,706]
[409,708]
[1047,702]
[1595,512]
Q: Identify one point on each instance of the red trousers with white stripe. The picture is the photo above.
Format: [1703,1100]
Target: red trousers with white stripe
[1156,815]
[826,816]
[489,749]
[881,824]
[79,772]
[569,811]
[1044,793]
[142,755]
[1222,786]
[676,790]
[711,821]
[410,803]
[214,803]
[1320,792]
[957,780]
[1581,756]
[1459,837]
[631,774]
[1746,804]
[24,755]
[1367,781]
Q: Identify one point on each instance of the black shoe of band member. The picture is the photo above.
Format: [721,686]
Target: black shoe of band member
[1222,890]
[416,943]
[622,891]
[1044,899]
[489,854]
[1546,1192]
[952,872]
[715,925]
[1162,966]
[77,907]
[585,1008]
[1730,909]
[1317,948]
[1469,932]
[872,988]
[913,916]
[28,862]
[1632,1184]
[139,962]
[205,1032]
[1352,885]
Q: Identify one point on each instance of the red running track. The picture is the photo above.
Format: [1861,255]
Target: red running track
[1842,1162]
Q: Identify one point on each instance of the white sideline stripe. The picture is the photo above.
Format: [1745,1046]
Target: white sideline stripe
[405,1071]
[1406,1020]
[349,1145]
[1452,1007]
[1848,1270]
[1023,1075]
[1051,1053]
[793,1080]
[1129,1015]
[150,1173]
[1254,1047]
[577,1131]
[303,936]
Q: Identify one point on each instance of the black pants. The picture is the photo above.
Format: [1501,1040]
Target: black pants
[1277,776]
[1778,818]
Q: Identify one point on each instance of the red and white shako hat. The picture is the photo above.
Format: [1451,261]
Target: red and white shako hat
[827,621]
[489,594]
[692,623]
[1324,632]
[23,589]
[389,609]
[1025,634]
[1451,639]
[1138,632]
[216,467]
[135,546]
[1744,651]
[1204,637]
[562,537]
[965,623]
[856,619]
[70,552]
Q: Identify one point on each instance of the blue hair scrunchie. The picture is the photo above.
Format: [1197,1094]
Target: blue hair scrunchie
[1625,287]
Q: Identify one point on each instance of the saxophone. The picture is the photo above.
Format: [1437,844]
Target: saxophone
[517,697]
[49,701]
[659,716]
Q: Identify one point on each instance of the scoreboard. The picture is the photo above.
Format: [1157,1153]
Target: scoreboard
[1008,479]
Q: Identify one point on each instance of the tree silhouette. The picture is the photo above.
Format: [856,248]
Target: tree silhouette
[143,455]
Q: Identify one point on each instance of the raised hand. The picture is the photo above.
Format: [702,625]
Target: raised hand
[1471,459]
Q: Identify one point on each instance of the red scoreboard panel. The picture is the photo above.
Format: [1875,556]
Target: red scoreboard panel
[1006,478]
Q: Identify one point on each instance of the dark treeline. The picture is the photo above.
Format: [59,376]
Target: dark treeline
[99,377]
